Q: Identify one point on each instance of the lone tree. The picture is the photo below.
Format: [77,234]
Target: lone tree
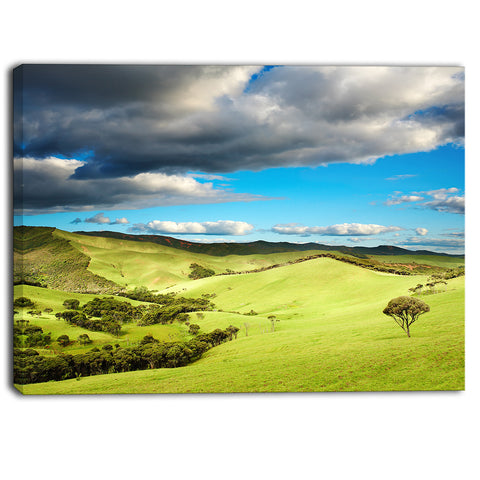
[405,310]
[272,319]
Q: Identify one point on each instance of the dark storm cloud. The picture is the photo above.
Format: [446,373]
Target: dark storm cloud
[131,119]
[123,121]
[46,186]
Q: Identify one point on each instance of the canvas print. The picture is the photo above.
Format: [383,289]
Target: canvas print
[235,228]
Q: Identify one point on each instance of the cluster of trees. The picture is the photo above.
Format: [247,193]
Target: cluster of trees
[121,311]
[143,294]
[431,287]
[108,314]
[26,335]
[104,324]
[163,315]
[71,304]
[437,278]
[198,271]
[30,367]
[177,309]
[171,300]
[451,273]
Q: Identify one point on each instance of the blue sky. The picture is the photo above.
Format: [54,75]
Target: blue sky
[359,156]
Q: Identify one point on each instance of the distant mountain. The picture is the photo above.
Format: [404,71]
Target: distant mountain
[260,246]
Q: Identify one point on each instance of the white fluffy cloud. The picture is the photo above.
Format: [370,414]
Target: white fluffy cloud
[421,231]
[220,227]
[403,199]
[50,187]
[451,243]
[98,218]
[334,230]
[401,176]
[442,200]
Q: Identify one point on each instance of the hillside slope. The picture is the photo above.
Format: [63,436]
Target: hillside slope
[108,264]
[130,263]
[331,336]
[42,257]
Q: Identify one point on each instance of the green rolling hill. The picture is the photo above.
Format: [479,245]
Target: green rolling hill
[329,332]
[108,262]
[323,341]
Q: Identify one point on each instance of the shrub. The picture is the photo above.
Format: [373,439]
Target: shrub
[193,328]
[63,340]
[197,271]
[71,303]
[23,302]
[84,339]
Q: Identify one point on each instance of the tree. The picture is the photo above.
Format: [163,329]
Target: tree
[198,271]
[23,302]
[63,340]
[405,310]
[71,304]
[193,328]
[84,339]
[148,339]
[231,331]
[272,319]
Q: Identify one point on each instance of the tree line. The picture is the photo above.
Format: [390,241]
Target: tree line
[31,367]
[359,262]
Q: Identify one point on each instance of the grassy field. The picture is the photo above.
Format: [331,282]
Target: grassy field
[331,336]
[431,260]
[132,264]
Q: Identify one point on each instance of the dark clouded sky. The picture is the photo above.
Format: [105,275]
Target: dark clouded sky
[241,151]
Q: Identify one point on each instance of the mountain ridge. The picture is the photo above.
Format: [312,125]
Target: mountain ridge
[261,246]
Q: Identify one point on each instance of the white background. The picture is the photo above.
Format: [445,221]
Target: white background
[334,436]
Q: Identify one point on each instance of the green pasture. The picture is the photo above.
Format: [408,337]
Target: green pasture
[133,264]
[432,260]
[331,336]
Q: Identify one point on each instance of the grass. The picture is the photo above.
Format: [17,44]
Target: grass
[431,260]
[133,264]
[43,257]
[331,336]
